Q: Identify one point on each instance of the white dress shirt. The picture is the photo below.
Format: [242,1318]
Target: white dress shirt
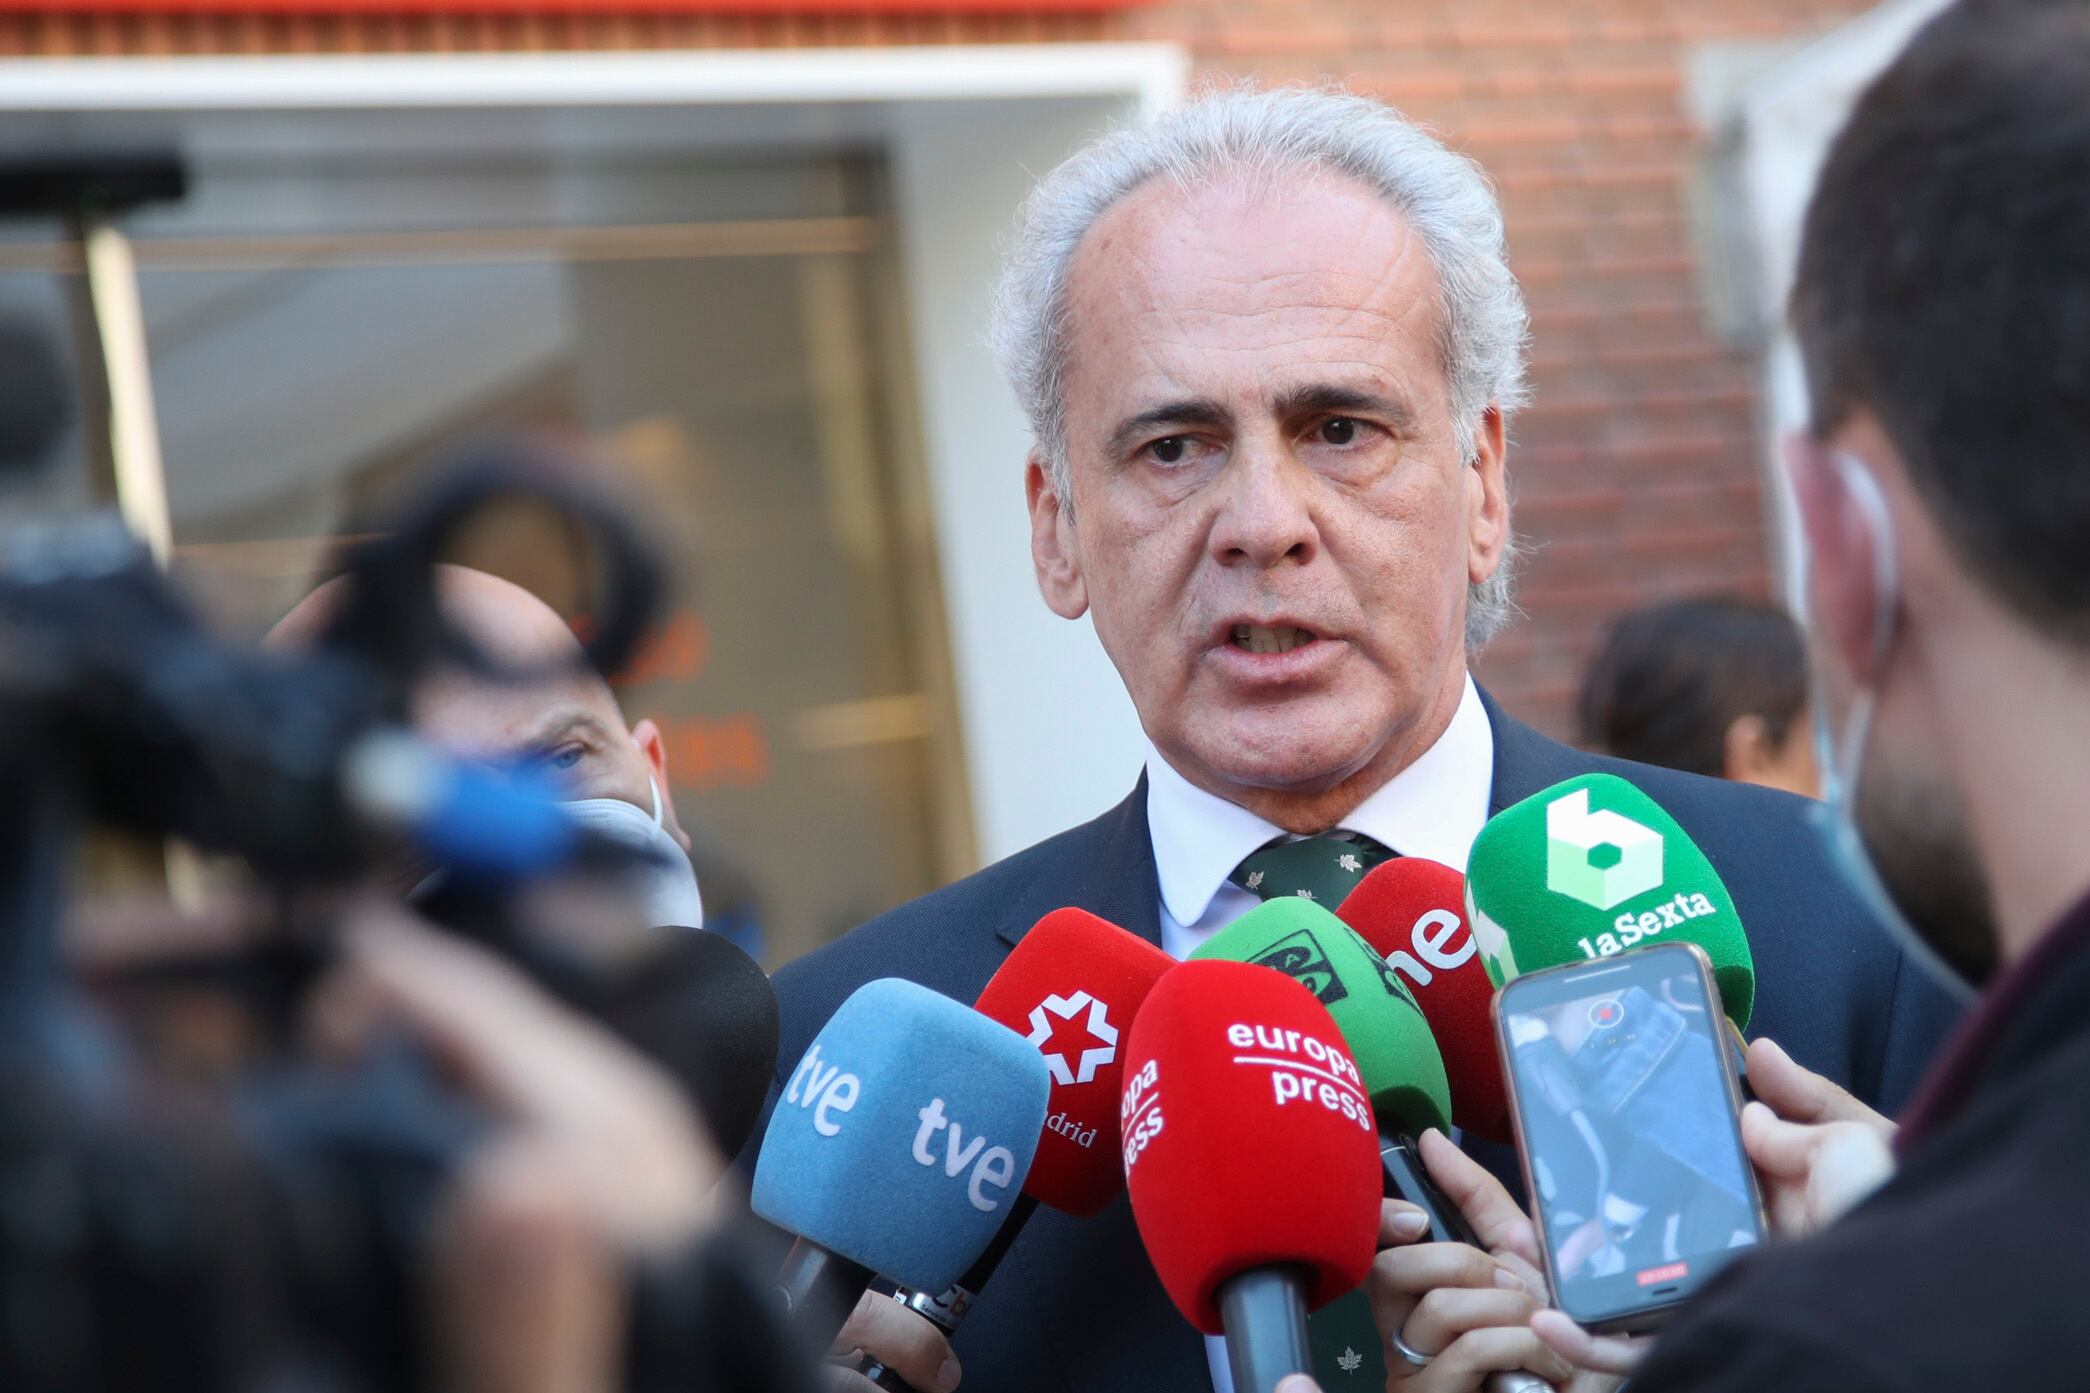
[1434,808]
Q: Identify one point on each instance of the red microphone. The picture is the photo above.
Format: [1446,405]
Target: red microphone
[1252,1158]
[1413,914]
[1071,987]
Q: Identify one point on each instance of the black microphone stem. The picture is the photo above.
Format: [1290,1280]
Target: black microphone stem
[1408,1179]
[946,1309]
[1263,1312]
[819,1289]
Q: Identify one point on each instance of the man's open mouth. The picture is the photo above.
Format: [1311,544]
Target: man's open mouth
[1270,638]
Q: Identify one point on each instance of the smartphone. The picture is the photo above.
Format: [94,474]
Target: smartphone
[1628,1124]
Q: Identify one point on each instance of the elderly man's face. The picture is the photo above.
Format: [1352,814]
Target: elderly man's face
[1271,521]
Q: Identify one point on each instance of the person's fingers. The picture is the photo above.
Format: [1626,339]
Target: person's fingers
[1601,1354]
[1401,1222]
[1798,1094]
[1467,1361]
[1401,1277]
[1297,1383]
[1449,1312]
[1496,1219]
[1780,1149]
[902,1341]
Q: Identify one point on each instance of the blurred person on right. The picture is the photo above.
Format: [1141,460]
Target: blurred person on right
[1715,686]
[1943,313]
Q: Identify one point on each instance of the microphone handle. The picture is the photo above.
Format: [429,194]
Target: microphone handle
[819,1289]
[1263,1312]
[1408,1179]
[947,1309]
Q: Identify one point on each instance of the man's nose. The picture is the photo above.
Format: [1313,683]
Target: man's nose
[1265,515]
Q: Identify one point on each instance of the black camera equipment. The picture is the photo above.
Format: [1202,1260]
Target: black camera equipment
[270,1232]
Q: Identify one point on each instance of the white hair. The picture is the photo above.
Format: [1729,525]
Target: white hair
[1265,135]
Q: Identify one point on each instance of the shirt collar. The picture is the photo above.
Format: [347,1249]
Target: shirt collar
[1434,808]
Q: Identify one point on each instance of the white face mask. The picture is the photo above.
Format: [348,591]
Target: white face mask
[667,881]
[1842,760]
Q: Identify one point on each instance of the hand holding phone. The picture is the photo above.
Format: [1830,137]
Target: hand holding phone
[1626,1111]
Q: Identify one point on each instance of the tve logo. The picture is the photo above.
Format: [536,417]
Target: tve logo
[991,1165]
[824,1090]
[1093,1040]
[1600,858]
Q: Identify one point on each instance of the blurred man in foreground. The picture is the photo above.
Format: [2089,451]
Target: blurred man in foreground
[1943,310]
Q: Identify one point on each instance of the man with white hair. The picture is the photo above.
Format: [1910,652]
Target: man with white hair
[1269,346]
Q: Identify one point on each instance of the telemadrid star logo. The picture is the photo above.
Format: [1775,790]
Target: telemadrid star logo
[1098,1028]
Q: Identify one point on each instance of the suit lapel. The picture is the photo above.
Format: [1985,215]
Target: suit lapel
[1108,870]
[1525,761]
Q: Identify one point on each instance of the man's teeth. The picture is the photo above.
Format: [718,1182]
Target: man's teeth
[1270,638]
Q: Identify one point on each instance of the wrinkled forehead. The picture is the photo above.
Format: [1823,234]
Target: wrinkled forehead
[1233,283]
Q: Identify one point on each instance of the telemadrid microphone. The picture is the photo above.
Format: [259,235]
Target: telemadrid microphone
[897,1147]
[1402,1070]
[1591,867]
[1412,912]
[1249,1154]
[1071,988]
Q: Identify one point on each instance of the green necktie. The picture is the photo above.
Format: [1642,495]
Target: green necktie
[1324,869]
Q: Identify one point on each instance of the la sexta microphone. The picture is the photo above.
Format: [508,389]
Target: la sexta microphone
[1070,988]
[1591,867]
[1412,912]
[897,1147]
[1402,1072]
[1249,1155]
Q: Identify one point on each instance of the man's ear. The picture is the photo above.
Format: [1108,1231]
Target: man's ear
[1746,749]
[1487,498]
[1052,551]
[646,735]
[1842,554]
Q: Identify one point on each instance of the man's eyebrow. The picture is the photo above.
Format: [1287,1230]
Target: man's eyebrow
[556,724]
[1190,411]
[1330,399]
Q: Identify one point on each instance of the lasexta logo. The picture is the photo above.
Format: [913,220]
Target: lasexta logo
[1091,1041]
[1301,957]
[1600,858]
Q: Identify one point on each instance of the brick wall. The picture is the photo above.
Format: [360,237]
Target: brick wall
[1635,469]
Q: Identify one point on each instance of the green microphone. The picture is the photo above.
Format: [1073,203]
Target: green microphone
[1384,1028]
[1591,867]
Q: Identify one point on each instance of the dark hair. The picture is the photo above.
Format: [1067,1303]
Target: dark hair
[1671,678]
[1944,285]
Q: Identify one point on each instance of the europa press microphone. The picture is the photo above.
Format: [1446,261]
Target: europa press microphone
[1249,1155]
[1402,1073]
[1071,987]
[897,1148]
[1591,867]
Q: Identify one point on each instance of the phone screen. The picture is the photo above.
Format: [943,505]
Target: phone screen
[1629,1130]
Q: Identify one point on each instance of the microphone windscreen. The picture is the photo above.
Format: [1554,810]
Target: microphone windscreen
[1380,1022]
[1591,867]
[1071,988]
[1249,1141]
[705,1010]
[902,1137]
[1412,912]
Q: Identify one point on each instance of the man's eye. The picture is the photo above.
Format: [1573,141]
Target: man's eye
[563,759]
[1338,430]
[1170,449]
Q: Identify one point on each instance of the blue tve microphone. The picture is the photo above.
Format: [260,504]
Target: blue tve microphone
[897,1146]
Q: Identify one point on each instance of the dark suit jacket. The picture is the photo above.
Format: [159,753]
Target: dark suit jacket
[1076,1305]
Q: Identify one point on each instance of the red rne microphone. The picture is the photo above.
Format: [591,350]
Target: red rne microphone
[1413,914]
[1071,988]
[1252,1158]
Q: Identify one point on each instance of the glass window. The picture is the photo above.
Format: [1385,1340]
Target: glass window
[322,330]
